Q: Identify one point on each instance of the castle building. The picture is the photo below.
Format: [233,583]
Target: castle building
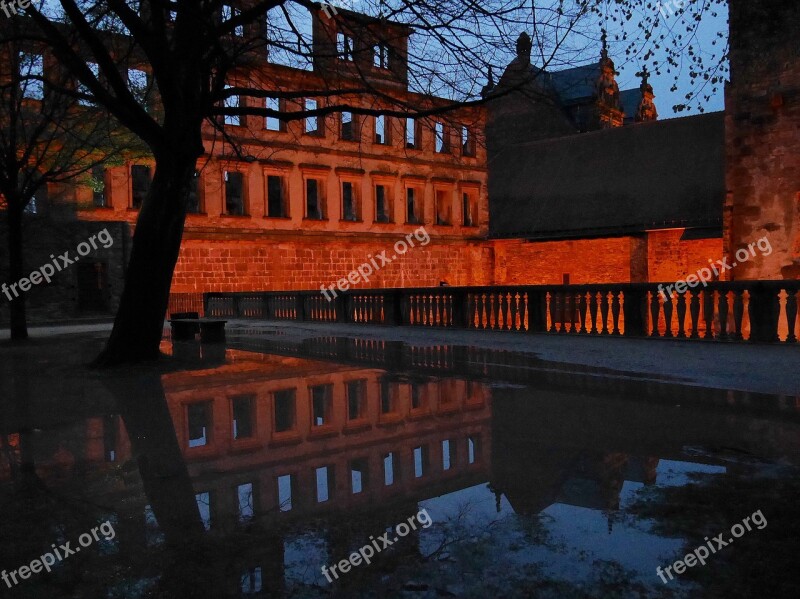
[559,177]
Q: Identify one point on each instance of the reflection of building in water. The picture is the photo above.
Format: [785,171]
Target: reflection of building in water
[300,436]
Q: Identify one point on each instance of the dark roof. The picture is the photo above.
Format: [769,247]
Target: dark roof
[575,83]
[661,174]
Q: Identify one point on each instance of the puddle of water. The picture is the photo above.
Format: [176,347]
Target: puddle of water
[242,472]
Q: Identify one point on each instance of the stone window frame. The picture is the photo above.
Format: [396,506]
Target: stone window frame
[418,184]
[389,181]
[356,178]
[472,188]
[320,173]
[150,165]
[282,171]
[244,170]
[448,187]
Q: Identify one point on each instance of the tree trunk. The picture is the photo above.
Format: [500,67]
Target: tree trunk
[16,263]
[138,326]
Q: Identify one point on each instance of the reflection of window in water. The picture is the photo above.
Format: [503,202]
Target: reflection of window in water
[356,400]
[420,461]
[204,507]
[284,410]
[243,416]
[199,418]
[447,454]
[417,399]
[285,492]
[246,503]
[324,483]
[251,581]
[474,448]
[359,475]
[387,397]
[388,469]
[320,400]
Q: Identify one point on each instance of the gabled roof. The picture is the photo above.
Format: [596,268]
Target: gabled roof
[660,174]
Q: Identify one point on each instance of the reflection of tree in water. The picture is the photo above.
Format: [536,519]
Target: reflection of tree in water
[762,563]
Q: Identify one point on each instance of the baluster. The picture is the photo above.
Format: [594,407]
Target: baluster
[655,309]
[708,312]
[615,310]
[669,308]
[551,308]
[738,314]
[514,319]
[569,311]
[723,315]
[523,312]
[604,312]
[683,299]
[694,312]
[791,313]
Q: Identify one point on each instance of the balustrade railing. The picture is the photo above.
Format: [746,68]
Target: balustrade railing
[764,311]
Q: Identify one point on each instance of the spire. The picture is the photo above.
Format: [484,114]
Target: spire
[647,108]
[489,87]
[524,46]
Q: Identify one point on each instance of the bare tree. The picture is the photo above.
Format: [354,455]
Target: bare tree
[210,59]
[46,137]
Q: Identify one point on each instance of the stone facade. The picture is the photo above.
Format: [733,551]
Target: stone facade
[763,136]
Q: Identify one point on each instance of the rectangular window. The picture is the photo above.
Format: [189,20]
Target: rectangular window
[382,211]
[31,72]
[381,57]
[193,201]
[391,472]
[359,475]
[381,130]
[243,408]
[228,13]
[233,102]
[413,140]
[467,142]
[418,397]
[442,138]
[285,485]
[247,507]
[344,46]
[448,454]
[413,207]
[473,449]
[388,403]
[321,405]
[276,197]
[348,131]
[467,209]
[312,123]
[349,201]
[204,507]
[443,207]
[198,418]
[314,200]
[356,399]
[284,410]
[140,184]
[325,485]
[234,193]
[421,461]
[99,187]
[272,123]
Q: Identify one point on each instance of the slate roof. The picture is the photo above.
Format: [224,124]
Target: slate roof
[655,175]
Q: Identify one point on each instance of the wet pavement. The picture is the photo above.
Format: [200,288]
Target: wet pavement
[277,466]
